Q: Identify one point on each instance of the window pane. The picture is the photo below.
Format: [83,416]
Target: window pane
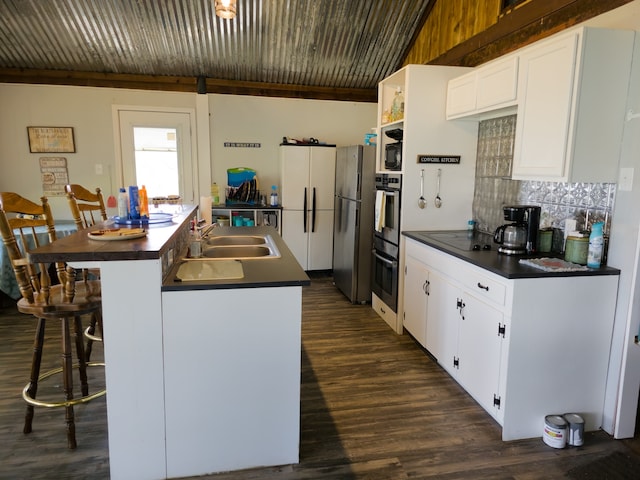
[157,160]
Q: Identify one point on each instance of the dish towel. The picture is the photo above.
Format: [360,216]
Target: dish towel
[553,265]
[379,210]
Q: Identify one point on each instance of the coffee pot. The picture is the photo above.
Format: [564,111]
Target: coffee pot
[521,236]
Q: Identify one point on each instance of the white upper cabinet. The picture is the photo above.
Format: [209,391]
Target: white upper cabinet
[572,95]
[488,88]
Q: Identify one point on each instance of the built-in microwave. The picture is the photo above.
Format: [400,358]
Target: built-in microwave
[393,156]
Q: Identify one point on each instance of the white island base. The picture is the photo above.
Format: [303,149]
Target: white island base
[232,378]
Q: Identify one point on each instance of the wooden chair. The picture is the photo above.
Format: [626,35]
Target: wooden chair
[65,302]
[87,209]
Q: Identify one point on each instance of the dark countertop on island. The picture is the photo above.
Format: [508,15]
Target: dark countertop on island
[166,241]
[258,272]
[78,247]
[507,266]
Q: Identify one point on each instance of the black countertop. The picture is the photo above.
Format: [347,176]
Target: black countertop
[459,243]
[258,272]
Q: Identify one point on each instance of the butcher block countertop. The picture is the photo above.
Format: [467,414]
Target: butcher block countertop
[459,244]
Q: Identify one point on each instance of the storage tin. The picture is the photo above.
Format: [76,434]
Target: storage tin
[575,429]
[555,431]
[576,250]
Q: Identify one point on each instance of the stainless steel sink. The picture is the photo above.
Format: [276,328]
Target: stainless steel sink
[236,240]
[239,247]
[242,251]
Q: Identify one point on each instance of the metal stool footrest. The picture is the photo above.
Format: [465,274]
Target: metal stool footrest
[91,336]
[65,403]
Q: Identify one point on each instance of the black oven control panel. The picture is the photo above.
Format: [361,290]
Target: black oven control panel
[388,181]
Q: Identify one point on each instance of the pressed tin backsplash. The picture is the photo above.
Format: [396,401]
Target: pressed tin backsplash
[584,202]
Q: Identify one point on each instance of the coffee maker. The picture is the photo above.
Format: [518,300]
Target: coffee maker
[521,236]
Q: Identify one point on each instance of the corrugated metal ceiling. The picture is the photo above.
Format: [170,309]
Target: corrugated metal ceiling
[350,44]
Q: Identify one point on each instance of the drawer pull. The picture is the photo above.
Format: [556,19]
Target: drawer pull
[483,287]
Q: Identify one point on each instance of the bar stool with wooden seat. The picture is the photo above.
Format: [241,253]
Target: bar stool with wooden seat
[65,302]
[87,209]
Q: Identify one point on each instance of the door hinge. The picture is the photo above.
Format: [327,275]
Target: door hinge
[496,401]
[502,329]
[456,362]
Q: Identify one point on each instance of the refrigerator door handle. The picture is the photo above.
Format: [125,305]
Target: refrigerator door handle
[304,216]
[313,211]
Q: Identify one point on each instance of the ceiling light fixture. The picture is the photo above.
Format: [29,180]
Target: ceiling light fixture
[226,8]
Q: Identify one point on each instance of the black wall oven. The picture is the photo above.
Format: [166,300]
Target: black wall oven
[386,239]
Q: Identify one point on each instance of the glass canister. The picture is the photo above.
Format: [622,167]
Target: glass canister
[545,237]
[576,249]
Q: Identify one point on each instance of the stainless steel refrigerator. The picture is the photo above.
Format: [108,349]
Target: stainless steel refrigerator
[353,221]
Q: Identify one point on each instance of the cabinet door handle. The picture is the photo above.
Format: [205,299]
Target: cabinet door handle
[425,287]
[313,211]
[304,216]
[483,287]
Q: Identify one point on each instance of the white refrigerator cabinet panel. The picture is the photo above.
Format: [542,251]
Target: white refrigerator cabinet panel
[307,197]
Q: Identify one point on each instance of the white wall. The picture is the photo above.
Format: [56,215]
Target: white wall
[266,120]
[624,368]
[232,118]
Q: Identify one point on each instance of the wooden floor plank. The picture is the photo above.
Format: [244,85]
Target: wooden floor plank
[374,406]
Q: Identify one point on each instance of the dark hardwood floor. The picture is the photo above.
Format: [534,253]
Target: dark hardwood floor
[374,406]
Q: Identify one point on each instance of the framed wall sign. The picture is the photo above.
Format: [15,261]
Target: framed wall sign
[454,159]
[51,140]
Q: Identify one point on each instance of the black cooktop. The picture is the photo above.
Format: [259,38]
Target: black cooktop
[467,241]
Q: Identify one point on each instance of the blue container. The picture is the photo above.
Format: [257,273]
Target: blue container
[134,203]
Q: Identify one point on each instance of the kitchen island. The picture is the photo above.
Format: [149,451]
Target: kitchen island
[523,342]
[201,376]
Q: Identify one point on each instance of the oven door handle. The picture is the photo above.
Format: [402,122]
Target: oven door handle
[393,263]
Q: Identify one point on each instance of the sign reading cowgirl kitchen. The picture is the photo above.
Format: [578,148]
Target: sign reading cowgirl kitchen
[438,159]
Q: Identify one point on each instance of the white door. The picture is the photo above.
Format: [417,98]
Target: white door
[157,150]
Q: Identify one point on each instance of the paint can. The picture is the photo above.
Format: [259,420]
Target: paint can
[555,431]
[575,429]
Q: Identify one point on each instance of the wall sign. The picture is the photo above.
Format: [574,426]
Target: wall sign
[453,159]
[51,140]
[54,174]
[242,145]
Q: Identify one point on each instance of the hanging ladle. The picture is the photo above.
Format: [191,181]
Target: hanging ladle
[438,201]
[421,201]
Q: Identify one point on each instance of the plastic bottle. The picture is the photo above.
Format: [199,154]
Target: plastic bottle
[397,106]
[274,196]
[134,203]
[215,194]
[144,202]
[596,244]
[123,204]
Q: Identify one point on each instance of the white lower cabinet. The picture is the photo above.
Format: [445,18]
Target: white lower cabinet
[522,348]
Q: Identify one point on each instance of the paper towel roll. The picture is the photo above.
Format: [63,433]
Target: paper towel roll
[205,210]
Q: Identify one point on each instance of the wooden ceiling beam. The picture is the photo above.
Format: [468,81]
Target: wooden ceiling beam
[523,25]
[183,84]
